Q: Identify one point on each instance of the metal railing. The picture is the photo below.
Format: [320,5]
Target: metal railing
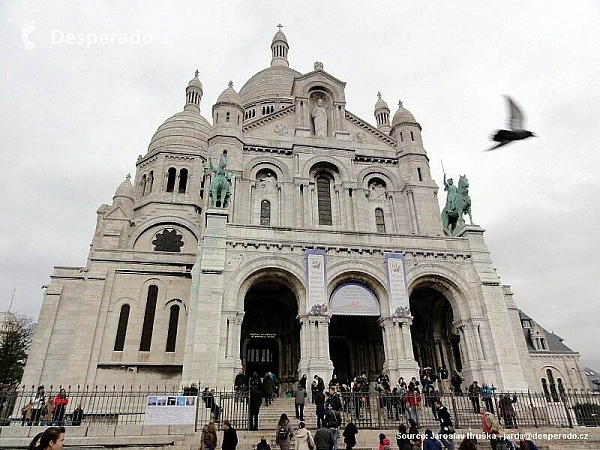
[368,410]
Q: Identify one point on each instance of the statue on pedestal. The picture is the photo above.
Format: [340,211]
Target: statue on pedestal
[220,187]
[458,203]
[319,115]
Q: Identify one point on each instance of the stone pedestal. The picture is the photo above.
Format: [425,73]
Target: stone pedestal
[203,339]
[397,343]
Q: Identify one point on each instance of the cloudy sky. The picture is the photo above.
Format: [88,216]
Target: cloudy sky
[74,119]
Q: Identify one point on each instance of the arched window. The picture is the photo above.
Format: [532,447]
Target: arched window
[324,200]
[545,388]
[553,390]
[149,319]
[143,185]
[265,213]
[227,117]
[419,173]
[183,176]
[379,220]
[122,328]
[561,386]
[412,136]
[171,175]
[401,137]
[173,323]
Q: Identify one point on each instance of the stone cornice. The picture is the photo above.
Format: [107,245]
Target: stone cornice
[268,118]
[376,160]
[370,128]
[259,149]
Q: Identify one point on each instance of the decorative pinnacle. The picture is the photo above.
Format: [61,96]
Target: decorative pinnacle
[400,103]
[196,73]
[379,95]
[230,84]
[279,26]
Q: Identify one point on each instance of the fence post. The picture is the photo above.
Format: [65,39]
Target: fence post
[569,418]
[535,422]
[456,424]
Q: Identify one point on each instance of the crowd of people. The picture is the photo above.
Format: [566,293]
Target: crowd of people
[44,409]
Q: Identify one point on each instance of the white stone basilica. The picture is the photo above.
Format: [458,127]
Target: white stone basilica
[330,256]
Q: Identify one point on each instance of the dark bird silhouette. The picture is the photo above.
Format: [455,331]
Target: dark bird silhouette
[516,132]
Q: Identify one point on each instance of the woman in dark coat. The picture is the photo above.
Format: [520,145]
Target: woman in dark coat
[254,409]
[284,434]
[268,388]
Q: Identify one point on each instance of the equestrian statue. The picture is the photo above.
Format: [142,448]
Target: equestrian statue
[220,187]
[458,203]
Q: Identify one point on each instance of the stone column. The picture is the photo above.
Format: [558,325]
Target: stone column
[314,344]
[399,359]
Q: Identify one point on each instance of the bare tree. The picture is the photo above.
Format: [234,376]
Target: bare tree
[15,338]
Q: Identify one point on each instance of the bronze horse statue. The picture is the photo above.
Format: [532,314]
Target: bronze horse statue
[452,217]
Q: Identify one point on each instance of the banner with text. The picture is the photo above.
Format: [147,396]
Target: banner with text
[316,302]
[398,292]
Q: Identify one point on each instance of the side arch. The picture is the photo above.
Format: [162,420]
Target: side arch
[282,269]
[167,221]
[450,284]
[394,182]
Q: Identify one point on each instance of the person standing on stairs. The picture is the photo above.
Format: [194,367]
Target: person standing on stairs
[299,401]
[254,407]
[323,437]
[268,388]
[320,403]
[303,438]
[350,433]
[283,437]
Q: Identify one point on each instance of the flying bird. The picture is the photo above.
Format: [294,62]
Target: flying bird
[516,132]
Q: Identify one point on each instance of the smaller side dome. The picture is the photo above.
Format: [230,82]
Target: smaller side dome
[229,96]
[403,115]
[381,104]
[382,115]
[195,82]
[193,94]
[125,189]
[279,36]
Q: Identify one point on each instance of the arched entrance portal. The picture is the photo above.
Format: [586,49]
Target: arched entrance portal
[435,342]
[270,340]
[355,339]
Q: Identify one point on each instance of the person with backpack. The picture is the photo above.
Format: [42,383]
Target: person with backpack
[254,406]
[263,444]
[334,420]
[490,426]
[350,433]
[487,393]
[335,400]
[283,438]
[303,440]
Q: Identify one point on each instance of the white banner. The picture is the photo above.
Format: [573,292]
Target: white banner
[315,277]
[170,410]
[399,304]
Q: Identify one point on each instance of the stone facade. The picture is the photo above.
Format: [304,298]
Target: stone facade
[326,208]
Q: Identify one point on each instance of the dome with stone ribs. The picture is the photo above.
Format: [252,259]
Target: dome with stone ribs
[269,84]
[403,115]
[186,130]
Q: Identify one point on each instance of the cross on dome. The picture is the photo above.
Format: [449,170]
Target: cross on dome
[400,103]
[196,73]
[378,94]
[279,26]
[230,84]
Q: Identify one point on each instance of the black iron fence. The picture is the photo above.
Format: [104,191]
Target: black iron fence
[369,410]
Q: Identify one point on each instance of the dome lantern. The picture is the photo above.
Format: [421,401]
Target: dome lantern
[279,49]
[382,115]
[193,94]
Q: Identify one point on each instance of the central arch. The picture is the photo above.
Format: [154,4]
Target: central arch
[355,338]
[270,334]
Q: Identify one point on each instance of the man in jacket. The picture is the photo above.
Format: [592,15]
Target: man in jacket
[446,428]
[323,438]
[300,399]
[230,439]
[334,420]
[268,388]
[350,433]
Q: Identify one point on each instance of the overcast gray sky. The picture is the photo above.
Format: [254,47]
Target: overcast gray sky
[74,119]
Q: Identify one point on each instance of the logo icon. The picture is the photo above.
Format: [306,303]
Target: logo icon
[26,30]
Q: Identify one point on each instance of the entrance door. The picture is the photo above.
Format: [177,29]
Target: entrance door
[262,356]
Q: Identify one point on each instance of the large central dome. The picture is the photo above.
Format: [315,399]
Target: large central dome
[269,84]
